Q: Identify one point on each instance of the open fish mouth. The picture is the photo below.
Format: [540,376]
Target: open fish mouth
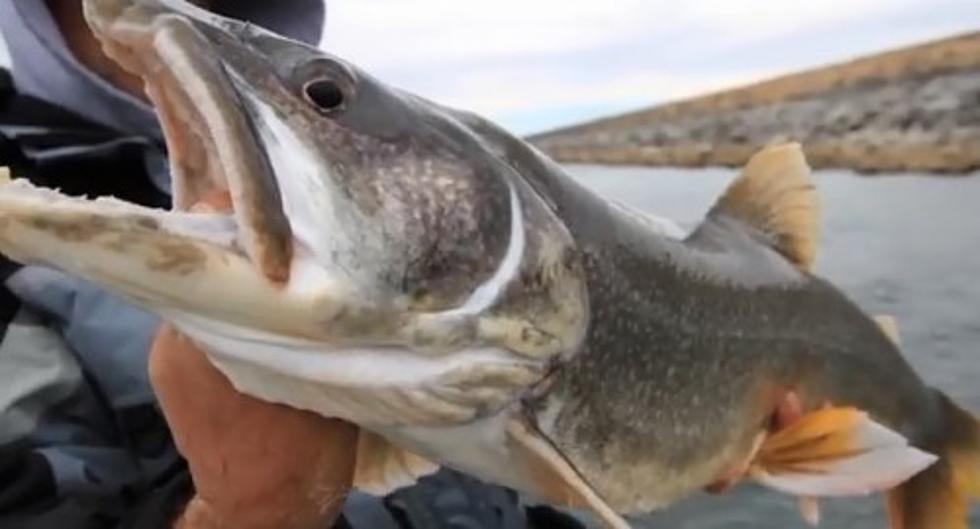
[212,143]
[164,259]
[373,243]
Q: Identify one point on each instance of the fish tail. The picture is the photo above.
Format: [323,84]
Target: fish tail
[938,498]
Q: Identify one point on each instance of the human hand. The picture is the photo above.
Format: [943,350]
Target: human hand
[255,465]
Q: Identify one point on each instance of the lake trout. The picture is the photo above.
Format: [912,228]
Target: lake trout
[422,273]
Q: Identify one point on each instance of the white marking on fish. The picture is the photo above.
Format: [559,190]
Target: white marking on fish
[484,296]
[306,198]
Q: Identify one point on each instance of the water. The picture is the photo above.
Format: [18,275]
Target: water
[908,246]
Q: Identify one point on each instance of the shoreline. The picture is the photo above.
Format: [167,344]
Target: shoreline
[911,109]
[948,161]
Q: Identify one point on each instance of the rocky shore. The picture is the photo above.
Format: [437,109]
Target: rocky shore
[912,109]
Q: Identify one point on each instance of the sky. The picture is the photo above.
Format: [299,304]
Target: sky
[534,65]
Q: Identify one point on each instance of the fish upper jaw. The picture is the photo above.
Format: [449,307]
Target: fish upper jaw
[191,62]
[211,143]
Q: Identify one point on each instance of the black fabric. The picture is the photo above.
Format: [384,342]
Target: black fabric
[543,517]
[26,477]
[9,304]
[450,500]
[52,147]
[56,514]
[9,156]
[145,432]
[29,499]
[160,507]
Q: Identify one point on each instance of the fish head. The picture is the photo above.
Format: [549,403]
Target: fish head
[318,154]
[387,193]
[361,215]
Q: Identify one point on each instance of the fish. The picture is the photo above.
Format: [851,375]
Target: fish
[421,272]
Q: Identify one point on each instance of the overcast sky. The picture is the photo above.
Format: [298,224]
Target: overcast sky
[538,64]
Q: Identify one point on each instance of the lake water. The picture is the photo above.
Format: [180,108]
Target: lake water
[908,246]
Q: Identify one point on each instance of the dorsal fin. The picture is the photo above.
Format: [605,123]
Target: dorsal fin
[889,326]
[774,195]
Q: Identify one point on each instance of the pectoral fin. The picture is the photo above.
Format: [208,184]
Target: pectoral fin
[382,467]
[837,452]
[556,480]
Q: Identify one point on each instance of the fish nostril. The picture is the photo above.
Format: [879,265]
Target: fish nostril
[325,94]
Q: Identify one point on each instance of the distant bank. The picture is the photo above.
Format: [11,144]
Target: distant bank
[911,109]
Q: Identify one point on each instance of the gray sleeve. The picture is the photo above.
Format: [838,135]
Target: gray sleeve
[73,382]
[46,401]
[110,337]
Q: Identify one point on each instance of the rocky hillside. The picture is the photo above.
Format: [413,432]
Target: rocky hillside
[914,109]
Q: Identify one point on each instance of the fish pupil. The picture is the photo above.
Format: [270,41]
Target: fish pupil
[324,94]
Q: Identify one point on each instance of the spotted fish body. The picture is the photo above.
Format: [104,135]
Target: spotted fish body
[692,340]
[422,273]
[686,356]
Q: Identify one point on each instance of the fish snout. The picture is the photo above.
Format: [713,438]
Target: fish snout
[108,17]
[126,29]
[123,20]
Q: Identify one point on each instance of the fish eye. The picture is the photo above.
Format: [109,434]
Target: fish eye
[324,94]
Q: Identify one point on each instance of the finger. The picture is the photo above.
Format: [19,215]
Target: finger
[175,360]
[214,200]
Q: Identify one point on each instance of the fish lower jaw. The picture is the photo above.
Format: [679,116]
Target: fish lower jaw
[375,386]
